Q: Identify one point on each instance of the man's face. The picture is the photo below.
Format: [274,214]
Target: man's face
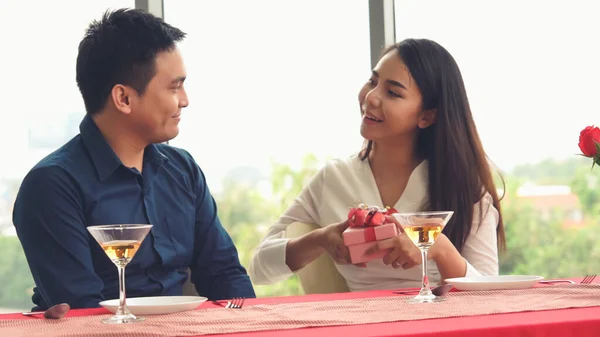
[156,113]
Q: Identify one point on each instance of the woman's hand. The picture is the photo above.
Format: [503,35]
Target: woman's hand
[403,253]
[333,242]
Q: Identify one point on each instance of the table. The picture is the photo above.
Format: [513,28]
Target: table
[580,322]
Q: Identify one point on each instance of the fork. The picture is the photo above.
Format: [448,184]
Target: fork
[588,279]
[556,281]
[235,303]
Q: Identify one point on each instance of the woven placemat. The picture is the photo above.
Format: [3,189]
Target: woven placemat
[314,314]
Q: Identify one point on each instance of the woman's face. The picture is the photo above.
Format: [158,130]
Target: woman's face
[390,102]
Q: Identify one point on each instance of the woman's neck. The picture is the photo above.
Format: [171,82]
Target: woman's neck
[392,159]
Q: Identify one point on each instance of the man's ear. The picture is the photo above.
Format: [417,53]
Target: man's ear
[120,96]
[428,118]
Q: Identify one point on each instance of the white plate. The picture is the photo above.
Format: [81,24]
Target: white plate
[501,282]
[157,305]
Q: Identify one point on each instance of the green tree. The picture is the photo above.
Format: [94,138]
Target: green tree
[551,171]
[242,211]
[586,185]
[514,215]
[16,280]
[543,246]
[247,214]
[287,183]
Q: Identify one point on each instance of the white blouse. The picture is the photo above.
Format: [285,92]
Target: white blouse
[346,183]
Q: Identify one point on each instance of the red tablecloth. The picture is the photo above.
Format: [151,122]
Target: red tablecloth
[581,322]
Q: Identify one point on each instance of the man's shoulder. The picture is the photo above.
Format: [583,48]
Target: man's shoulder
[171,151]
[63,160]
[55,173]
[180,160]
[177,155]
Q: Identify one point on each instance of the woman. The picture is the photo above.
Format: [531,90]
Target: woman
[422,152]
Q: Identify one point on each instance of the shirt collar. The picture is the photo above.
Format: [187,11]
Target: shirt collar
[415,194]
[105,160]
[153,155]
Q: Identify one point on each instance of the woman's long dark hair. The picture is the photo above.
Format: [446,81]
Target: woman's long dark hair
[459,171]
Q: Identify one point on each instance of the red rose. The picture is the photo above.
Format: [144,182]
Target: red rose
[588,138]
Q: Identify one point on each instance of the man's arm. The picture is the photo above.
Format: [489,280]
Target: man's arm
[49,220]
[216,269]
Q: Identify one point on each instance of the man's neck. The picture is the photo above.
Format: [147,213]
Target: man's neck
[128,147]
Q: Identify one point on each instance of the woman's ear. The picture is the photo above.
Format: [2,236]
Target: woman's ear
[427,118]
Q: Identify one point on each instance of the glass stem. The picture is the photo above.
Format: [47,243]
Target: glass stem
[425,284]
[122,310]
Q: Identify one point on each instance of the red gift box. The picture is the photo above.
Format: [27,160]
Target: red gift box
[356,235]
[366,228]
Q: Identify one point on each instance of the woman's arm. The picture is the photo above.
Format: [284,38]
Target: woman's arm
[480,251]
[448,260]
[305,249]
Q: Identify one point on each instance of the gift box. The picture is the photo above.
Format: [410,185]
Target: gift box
[356,235]
[366,229]
[359,240]
[357,252]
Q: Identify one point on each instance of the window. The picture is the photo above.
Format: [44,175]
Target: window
[270,86]
[530,68]
[269,82]
[41,109]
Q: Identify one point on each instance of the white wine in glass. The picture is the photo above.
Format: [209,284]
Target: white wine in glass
[120,243]
[423,228]
[121,249]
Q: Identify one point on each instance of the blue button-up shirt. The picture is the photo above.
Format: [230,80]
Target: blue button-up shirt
[83,184]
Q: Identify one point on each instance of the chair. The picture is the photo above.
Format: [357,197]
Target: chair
[321,275]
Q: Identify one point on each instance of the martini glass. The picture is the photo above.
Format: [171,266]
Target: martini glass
[423,228]
[120,243]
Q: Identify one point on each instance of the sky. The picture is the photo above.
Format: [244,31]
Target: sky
[273,80]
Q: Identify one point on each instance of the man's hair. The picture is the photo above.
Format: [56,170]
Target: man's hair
[121,48]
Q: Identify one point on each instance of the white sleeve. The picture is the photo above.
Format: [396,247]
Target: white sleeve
[267,265]
[481,247]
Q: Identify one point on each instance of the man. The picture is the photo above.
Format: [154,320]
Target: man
[116,171]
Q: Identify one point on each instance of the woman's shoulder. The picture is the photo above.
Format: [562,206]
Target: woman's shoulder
[344,165]
[485,208]
[486,198]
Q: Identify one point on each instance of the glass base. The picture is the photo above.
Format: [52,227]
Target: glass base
[426,297]
[122,319]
